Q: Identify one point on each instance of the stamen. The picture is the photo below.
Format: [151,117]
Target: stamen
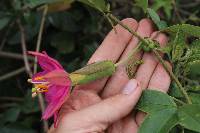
[37,82]
[34,94]
[41,90]
[39,78]
[43,86]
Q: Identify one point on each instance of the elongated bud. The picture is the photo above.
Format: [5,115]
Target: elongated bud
[131,67]
[92,72]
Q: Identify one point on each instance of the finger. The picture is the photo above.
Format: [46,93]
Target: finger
[120,78]
[126,125]
[146,69]
[160,75]
[96,118]
[145,29]
[160,81]
[79,100]
[111,49]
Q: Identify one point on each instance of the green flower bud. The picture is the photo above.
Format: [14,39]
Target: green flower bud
[92,72]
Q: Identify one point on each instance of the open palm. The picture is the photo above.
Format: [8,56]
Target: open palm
[106,104]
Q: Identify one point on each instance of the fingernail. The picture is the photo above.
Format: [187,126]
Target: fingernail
[130,87]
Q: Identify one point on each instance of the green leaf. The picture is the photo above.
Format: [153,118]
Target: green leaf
[142,4]
[193,59]
[29,105]
[186,29]
[35,3]
[152,101]
[189,117]
[15,129]
[165,4]
[65,21]
[159,122]
[3,22]
[178,46]
[63,42]
[156,19]
[161,112]
[195,97]
[59,6]
[154,16]
[11,114]
[175,91]
[100,5]
[31,29]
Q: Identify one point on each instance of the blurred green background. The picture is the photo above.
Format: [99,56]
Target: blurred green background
[70,36]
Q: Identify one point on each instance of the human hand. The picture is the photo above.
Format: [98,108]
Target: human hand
[106,104]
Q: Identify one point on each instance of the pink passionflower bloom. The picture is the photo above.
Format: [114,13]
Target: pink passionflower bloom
[53,81]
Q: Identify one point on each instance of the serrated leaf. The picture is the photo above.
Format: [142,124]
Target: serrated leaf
[156,19]
[100,5]
[175,91]
[186,29]
[142,4]
[193,59]
[152,101]
[154,16]
[189,117]
[161,25]
[195,97]
[165,4]
[159,122]
[161,112]
[178,46]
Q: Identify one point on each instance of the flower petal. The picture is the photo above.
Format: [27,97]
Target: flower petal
[55,97]
[46,63]
[58,77]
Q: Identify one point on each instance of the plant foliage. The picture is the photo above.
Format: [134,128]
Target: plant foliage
[72,31]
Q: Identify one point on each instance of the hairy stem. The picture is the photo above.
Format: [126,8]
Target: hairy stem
[156,54]
[112,17]
[172,76]
[177,100]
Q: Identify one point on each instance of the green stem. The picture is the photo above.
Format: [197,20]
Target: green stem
[177,100]
[172,76]
[126,27]
[157,55]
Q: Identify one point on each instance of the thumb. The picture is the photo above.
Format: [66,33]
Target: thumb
[97,117]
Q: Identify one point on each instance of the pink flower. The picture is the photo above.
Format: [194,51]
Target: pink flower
[54,81]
